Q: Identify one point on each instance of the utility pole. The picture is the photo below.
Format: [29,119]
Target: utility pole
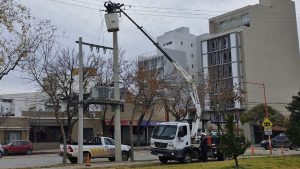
[112,24]
[80,108]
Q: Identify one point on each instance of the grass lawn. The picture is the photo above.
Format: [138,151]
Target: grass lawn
[285,162]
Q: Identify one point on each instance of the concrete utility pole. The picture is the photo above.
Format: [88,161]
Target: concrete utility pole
[112,24]
[117,119]
[81,103]
[80,108]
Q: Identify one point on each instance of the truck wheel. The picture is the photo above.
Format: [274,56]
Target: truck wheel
[125,156]
[73,160]
[111,158]
[163,160]
[220,157]
[187,158]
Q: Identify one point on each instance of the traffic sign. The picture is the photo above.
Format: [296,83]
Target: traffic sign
[267,123]
[268,131]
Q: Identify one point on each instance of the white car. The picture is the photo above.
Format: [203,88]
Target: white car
[96,147]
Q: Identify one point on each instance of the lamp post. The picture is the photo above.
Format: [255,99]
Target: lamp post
[266,109]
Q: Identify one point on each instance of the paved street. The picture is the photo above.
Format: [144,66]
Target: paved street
[39,160]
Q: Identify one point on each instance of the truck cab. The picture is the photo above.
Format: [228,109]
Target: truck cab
[172,141]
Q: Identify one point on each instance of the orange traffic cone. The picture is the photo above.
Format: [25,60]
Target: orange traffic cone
[282,150]
[252,150]
[87,163]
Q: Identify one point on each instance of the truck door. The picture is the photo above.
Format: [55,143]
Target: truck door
[109,147]
[183,139]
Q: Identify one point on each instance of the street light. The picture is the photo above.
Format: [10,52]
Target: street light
[266,109]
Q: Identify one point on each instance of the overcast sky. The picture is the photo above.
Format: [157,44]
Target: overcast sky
[82,18]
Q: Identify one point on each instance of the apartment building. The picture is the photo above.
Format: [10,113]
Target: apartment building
[181,39]
[247,48]
[255,45]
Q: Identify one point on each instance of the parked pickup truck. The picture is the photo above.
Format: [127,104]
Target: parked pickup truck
[95,147]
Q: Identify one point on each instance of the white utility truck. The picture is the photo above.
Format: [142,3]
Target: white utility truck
[95,147]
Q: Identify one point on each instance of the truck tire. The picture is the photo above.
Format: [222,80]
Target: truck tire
[163,160]
[73,160]
[220,157]
[187,158]
[125,156]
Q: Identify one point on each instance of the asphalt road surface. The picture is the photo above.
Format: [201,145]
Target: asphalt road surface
[38,160]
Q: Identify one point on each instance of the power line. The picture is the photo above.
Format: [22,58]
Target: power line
[73,4]
[172,16]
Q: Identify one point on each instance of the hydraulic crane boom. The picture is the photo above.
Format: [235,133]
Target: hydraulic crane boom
[194,94]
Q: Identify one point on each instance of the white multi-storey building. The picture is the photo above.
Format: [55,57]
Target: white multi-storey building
[245,48]
[182,40]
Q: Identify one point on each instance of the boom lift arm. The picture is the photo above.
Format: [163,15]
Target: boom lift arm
[185,75]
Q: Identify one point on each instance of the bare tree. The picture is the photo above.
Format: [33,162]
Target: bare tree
[144,88]
[21,35]
[176,98]
[54,72]
[222,94]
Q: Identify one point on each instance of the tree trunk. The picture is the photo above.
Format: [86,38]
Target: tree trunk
[131,142]
[62,131]
[139,129]
[131,134]
[236,162]
[63,134]
[70,129]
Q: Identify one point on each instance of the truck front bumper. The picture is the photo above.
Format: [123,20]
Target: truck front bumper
[173,154]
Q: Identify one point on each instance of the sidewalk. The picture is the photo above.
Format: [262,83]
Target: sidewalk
[52,151]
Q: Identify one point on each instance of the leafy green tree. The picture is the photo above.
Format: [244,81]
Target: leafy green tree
[232,143]
[257,114]
[293,130]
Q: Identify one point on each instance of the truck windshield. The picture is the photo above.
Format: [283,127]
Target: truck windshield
[166,132]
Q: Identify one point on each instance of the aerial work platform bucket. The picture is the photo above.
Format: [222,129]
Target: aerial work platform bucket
[112,22]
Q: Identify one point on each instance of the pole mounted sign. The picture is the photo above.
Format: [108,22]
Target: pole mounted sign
[267,126]
[267,123]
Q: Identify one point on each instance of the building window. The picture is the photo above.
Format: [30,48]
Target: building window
[245,18]
[192,65]
[223,23]
[181,43]
[191,45]
[192,55]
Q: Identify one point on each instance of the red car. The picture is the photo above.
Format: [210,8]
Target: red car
[17,147]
